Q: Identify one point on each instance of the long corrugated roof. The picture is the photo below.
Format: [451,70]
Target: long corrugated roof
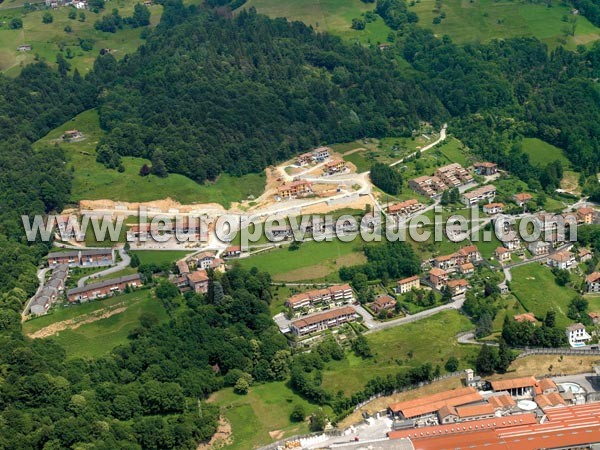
[434,402]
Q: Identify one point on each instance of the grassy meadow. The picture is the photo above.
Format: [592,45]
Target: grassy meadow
[312,261]
[536,290]
[93,181]
[98,337]
[49,39]
[397,349]
[542,153]
[483,20]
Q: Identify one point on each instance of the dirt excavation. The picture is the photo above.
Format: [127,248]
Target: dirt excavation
[73,324]
[220,439]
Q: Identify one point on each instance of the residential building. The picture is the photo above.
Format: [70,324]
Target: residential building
[103,288]
[485,168]
[383,302]
[232,251]
[522,198]
[467,269]
[454,175]
[321,154]
[438,277]
[479,194]
[502,254]
[204,260]
[304,159]
[183,267]
[469,253]
[294,189]
[525,317]
[404,208]
[408,284]
[585,215]
[337,294]
[24,48]
[457,287]
[198,281]
[50,291]
[91,257]
[512,244]
[539,248]
[279,232]
[595,316]
[577,335]
[446,262]
[493,208]
[584,254]
[335,166]
[68,228]
[323,320]
[563,260]
[429,186]
[592,282]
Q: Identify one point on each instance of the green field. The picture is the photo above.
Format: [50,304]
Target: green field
[542,153]
[534,286]
[98,337]
[93,181]
[334,16]
[49,39]
[312,261]
[266,408]
[429,340]
[454,151]
[482,20]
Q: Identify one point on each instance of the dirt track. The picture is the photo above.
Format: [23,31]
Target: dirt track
[73,324]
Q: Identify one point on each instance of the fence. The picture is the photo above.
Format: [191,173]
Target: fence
[558,351]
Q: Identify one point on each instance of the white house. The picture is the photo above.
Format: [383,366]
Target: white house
[563,260]
[577,335]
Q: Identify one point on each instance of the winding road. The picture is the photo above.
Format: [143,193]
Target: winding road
[124,263]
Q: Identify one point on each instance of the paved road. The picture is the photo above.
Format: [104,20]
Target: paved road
[41,275]
[424,149]
[469,338]
[125,260]
[456,304]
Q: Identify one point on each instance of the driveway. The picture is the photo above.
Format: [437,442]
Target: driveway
[456,304]
[125,260]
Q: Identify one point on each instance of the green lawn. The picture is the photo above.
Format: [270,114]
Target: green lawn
[159,256]
[93,181]
[95,339]
[312,261]
[483,20]
[542,153]
[534,286]
[454,151]
[430,340]
[49,39]
[266,408]
[334,16]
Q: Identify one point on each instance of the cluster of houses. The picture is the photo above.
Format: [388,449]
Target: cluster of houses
[446,177]
[461,262]
[323,320]
[577,334]
[102,289]
[89,257]
[181,226]
[295,189]
[405,208]
[50,292]
[315,156]
[315,299]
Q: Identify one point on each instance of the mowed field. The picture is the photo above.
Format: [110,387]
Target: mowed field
[483,20]
[430,340]
[97,335]
[93,181]
[312,261]
[534,286]
[334,16]
[49,39]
